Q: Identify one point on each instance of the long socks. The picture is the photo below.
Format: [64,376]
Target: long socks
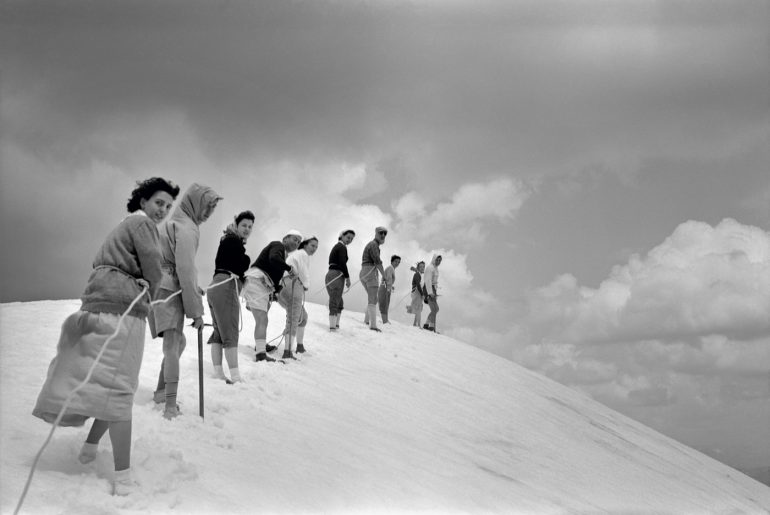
[231,356]
[371,311]
[216,360]
[172,410]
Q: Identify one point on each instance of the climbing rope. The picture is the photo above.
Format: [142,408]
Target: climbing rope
[145,290]
[72,394]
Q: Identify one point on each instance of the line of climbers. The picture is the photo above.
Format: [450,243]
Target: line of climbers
[144,252]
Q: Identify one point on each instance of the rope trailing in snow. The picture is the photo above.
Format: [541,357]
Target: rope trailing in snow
[145,291]
[72,393]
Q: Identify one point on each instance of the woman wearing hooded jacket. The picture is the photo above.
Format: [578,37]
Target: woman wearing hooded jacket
[231,260]
[430,285]
[128,261]
[179,238]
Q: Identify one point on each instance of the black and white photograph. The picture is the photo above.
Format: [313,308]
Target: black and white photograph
[385,256]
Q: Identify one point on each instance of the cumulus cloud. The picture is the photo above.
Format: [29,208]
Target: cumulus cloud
[685,327]
[317,201]
[702,280]
[462,220]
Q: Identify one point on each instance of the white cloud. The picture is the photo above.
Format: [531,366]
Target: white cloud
[461,221]
[685,327]
[702,280]
[316,201]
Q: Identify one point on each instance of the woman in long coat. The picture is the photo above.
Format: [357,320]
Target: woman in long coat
[127,262]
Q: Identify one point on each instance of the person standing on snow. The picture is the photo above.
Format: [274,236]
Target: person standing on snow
[179,238]
[386,287]
[224,304]
[371,264]
[128,261]
[418,294]
[296,315]
[263,282]
[338,278]
[430,285]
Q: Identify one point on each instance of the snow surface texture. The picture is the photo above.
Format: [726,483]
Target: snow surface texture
[399,421]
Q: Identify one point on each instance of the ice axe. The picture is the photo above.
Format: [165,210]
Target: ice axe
[200,371]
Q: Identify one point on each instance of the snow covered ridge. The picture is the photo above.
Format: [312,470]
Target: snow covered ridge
[401,421]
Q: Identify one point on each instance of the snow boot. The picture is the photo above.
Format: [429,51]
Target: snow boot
[171,412]
[159,396]
[287,354]
[262,356]
[88,452]
[122,483]
[172,408]
[371,311]
[300,348]
[332,322]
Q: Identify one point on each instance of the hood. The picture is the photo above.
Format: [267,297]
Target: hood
[433,259]
[194,202]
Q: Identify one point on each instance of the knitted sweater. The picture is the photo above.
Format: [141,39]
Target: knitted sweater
[272,261]
[129,252]
[417,283]
[371,254]
[338,259]
[231,255]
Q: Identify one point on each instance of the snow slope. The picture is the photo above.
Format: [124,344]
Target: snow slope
[403,421]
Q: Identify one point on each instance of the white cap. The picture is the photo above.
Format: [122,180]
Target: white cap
[294,232]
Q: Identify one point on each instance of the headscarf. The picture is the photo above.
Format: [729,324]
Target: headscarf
[195,201]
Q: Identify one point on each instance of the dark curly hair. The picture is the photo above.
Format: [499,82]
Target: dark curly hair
[244,215]
[147,188]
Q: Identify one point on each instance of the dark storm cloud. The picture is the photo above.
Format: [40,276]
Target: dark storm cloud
[489,87]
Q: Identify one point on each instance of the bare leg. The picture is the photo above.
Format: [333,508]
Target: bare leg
[216,354]
[260,332]
[260,324]
[216,359]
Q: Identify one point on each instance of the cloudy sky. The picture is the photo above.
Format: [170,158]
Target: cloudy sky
[595,173]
